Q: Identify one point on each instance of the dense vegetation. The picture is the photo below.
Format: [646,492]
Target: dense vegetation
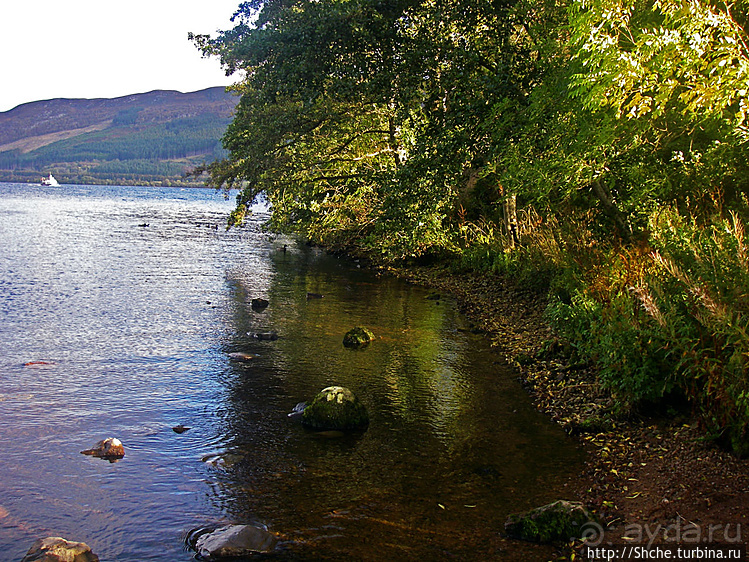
[594,148]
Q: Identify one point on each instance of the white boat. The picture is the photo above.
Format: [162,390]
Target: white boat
[50,181]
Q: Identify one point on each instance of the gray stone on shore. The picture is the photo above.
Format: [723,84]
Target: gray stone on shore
[235,541]
[336,408]
[57,549]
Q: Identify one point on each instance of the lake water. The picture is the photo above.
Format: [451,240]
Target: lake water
[136,297]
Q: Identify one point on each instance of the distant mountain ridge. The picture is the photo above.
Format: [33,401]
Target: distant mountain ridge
[154,137]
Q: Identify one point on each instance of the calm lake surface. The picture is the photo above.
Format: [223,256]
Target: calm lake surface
[138,324]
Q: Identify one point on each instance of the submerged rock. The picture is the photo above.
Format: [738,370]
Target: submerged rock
[328,434]
[241,356]
[357,337]
[335,408]
[235,541]
[57,549]
[110,448]
[269,336]
[223,461]
[558,521]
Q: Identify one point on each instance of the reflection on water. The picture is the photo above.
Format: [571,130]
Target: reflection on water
[140,322]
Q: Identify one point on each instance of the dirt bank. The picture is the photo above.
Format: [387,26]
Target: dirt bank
[651,479]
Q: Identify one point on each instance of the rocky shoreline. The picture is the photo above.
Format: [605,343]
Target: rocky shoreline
[650,479]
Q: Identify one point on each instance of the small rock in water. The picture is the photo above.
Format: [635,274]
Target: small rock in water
[36,364]
[259,304]
[235,541]
[241,356]
[268,336]
[57,549]
[357,337]
[298,409]
[180,428]
[110,448]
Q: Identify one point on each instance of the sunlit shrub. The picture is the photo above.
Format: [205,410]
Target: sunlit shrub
[701,290]
[606,324]
[669,318]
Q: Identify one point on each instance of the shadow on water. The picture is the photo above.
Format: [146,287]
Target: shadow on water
[453,444]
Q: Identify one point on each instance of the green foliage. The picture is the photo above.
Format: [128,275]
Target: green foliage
[126,117]
[663,58]
[698,297]
[671,319]
[368,117]
[128,153]
[157,141]
[633,363]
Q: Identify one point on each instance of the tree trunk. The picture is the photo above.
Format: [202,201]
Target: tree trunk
[509,208]
[393,142]
[607,201]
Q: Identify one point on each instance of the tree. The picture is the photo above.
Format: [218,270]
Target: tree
[368,120]
[675,74]
[314,130]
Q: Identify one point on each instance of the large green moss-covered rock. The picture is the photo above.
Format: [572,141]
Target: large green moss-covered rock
[335,407]
[558,521]
[357,337]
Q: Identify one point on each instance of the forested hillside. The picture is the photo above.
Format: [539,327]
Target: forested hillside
[154,137]
[594,149]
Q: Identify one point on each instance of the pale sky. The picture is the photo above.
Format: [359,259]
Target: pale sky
[103,49]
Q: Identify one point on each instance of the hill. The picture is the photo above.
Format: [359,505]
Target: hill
[149,138]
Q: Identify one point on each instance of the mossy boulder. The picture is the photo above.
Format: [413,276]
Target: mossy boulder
[335,408]
[558,521]
[357,337]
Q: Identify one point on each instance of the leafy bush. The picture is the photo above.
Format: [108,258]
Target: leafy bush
[630,354]
[701,301]
[673,317]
